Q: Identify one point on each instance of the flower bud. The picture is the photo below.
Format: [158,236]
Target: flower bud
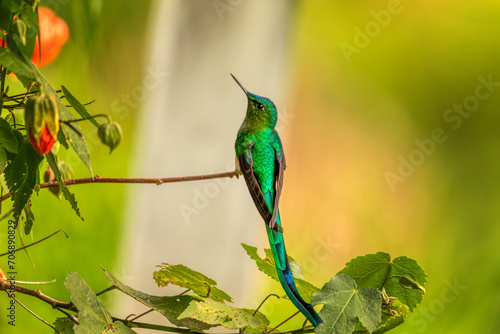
[110,135]
[48,176]
[408,282]
[42,122]
[19,29]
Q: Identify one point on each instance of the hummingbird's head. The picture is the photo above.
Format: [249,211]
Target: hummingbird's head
[260,110]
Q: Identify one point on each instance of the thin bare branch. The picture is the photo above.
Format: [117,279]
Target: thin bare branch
[32,313]
[36,242]
[7,286]
[157,181]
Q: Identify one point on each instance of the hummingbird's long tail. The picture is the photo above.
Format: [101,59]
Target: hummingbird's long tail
[285,275]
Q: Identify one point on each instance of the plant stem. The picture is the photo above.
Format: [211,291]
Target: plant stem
[7,286]
[36,242]
[157,181]
[31,312]
[88,117]
[133,324]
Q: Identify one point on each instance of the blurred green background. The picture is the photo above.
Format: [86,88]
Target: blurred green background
[369,80]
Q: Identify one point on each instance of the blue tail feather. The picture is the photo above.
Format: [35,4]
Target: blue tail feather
[283,269]
[286,278]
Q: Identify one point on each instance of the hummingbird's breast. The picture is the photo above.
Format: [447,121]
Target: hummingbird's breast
[263,155]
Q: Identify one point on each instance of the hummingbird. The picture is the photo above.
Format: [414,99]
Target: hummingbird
[261,160]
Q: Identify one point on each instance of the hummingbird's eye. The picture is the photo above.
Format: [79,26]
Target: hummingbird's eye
[260,106]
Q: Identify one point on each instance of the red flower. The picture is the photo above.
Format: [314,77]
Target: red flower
[44,143]
[54,34]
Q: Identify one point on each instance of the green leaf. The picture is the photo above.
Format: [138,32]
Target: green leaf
[170,307]
[3,159]
[185,277]
[29,15]
[214,313]
[388,321]
[344,303]
[267,266]
[7,139]
[377,271]
[79,108]
[62,139]
[17,64]
[20,175]
[8,8]
[64,326]
[93,316]
[30,218]
[68,195]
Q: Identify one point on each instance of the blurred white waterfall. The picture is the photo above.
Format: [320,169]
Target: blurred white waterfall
[187,126]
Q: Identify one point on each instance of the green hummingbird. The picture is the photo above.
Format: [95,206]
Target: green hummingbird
[261,160]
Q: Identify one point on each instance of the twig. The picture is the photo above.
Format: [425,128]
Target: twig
[36,242]
[72,128]
[106,290]
[36,283]
[157,181]
[262,303]
[7,286]
[83,104]
[133,324]
[258,308]
[141,315]
[290,317]
[32,313]
[70,316]
[87,118]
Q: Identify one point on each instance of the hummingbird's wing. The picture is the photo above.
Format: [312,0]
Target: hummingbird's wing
[279,172]
[246,166]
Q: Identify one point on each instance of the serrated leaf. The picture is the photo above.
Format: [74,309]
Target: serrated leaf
[185,277]
[170,307]
[214,313]
[7,138]
[20,175]
[267,266]
[92,315]
[68,195]
[79,108]
[3,159]
[377,270]
[344,303]
[64,326]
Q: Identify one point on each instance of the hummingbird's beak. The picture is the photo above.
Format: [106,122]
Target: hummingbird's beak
[239,84]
